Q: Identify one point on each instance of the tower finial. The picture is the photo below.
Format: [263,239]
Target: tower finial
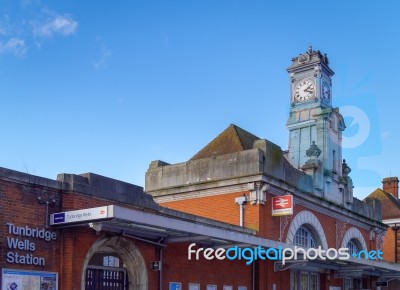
[309,49]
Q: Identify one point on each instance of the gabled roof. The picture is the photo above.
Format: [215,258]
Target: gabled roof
[390,204]
[232,139]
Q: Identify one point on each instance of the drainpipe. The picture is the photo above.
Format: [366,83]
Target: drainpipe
[253,274]
[241,201]
[161,269]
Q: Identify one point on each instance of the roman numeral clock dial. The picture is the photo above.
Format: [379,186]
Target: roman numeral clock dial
[304,90]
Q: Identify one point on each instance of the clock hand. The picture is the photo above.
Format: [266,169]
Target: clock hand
[308,88]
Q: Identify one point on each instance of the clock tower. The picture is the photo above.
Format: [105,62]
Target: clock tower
[311,83]
[315,128]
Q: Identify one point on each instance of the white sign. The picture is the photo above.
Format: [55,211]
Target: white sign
[74,216]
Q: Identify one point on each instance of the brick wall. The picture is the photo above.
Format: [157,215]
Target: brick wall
[177,268]
[19,205]
[219,207]
[389,245]
[258,217]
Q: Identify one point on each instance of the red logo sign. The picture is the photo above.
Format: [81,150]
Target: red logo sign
[102,211]
[282,205]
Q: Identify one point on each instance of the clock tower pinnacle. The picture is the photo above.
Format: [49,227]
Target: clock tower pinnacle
[310,77]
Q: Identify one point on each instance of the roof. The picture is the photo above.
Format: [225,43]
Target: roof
[390,204]
[232,139]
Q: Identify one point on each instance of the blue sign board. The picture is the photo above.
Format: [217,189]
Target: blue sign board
[59,217]
[175,286]
[34,280]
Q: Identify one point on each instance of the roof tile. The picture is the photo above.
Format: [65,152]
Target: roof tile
[390,204]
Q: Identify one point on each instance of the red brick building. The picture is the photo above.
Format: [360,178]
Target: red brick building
[236,176]
[207,223]
[389,198]
[116,252]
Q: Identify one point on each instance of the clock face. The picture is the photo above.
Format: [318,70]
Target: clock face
[326,92]
[304,90]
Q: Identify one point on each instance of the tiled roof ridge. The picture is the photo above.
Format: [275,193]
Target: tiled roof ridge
[237,134]
[243,140]
[391,197]
[390,204]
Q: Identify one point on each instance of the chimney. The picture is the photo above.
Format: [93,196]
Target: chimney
[391,185]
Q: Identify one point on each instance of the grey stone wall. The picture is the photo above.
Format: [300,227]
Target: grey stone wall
[265,158]
[108,188]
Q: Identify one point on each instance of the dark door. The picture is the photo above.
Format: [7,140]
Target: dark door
[105,278]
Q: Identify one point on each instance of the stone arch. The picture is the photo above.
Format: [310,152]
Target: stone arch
[307,218]
[131,256]
[354,233]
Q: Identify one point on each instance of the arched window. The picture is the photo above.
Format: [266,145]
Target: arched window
[303,279]
[353,247]
[304,238]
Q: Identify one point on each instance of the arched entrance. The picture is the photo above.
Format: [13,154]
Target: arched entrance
[114,263]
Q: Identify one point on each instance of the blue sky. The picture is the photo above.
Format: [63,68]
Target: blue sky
[107,87]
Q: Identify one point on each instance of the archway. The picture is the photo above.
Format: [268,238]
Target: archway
[119,248]
[354,234]
[309,219]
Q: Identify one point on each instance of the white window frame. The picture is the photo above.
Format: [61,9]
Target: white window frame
[296,280]
[304,235]
[353,247]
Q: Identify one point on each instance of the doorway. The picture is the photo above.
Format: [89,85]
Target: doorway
[114,263]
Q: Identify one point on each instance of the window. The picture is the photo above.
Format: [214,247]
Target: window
[352,283]
[110,261]
[334,160]
[194,286]
[211,287]
[304,238]
[352,246]
[313,281]
[347,283]
[293,280]
[304,280]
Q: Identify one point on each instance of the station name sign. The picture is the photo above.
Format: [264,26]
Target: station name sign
[23,239]
[74,216]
